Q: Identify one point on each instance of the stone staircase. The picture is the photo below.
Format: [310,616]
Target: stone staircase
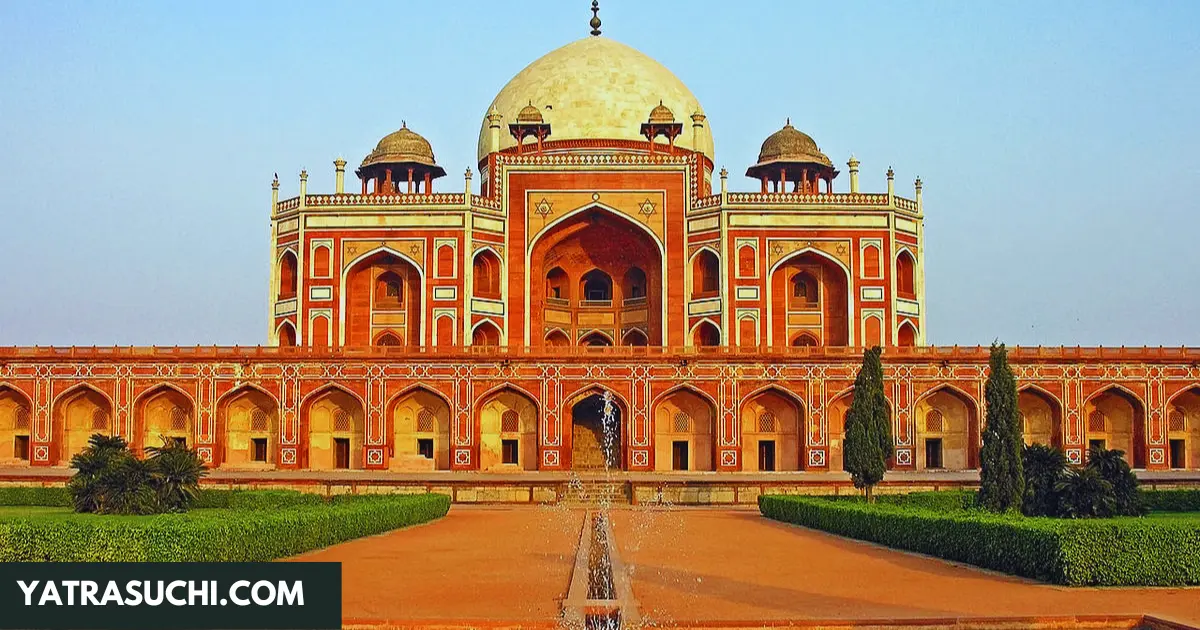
[595,492]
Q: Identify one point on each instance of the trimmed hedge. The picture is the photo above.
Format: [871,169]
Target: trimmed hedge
[255,499]
[1098,552]
[1172,500]
[940,501]
[49,496]
[247,535]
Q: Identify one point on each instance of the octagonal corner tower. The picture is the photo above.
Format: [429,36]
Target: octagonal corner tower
[595,89]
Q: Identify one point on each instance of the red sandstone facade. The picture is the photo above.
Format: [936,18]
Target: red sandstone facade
[477,330]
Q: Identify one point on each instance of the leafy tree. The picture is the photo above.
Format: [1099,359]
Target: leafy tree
[868,427]
[1044,467]
[1112,467]
[1001,475]
[1084,493]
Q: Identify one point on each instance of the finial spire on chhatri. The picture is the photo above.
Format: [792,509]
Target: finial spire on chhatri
[595,23]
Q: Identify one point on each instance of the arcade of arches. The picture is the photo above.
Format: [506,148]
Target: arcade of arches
[767,429]
[601,284]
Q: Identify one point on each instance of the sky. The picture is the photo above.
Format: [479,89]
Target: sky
[1058,143]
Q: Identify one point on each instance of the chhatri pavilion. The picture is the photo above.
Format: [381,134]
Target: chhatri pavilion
[424,323]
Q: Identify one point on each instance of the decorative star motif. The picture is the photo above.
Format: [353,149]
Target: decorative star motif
[777,249]
[352,250]
[544,208]
[415,249]
[646,207]
[841,249]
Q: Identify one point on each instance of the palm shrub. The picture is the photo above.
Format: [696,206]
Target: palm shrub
[175,472]
[1112,467]
[1084,493]
[110,479]
[1001,476]
[868,427]
[1044,467]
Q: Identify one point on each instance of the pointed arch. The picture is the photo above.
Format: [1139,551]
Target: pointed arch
[705,263]
[247,428]
[1041,415]
[557,338]
[172,419]
[447,262]
[332,435]
[773,430]
[77,412]
[1123,417]
[872,330]
[16,425]
[947,422]
[414,309]
[836,309]
[635,337]
[596,285]
[289,274]
[906,265]
[570,232]
[419,418]
[504,445]
[387,338]
[285,334]
[906,335]
[320,262]
[596,338]
[486,273]
[1190,389]
[685,421]
[706,333]
[485,333]
[593,444]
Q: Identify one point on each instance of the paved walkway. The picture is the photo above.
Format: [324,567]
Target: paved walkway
[474,564]
[736,565]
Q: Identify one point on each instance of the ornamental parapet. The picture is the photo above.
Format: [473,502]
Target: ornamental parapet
[341,201]
[791,200]
[813,354]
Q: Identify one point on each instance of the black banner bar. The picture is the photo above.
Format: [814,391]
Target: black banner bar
[184,596]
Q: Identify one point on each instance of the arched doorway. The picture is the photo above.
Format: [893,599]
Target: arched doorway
[287,276]
[420,422]
[508,431]
[706,275]
[485,270]
[906,275]
[287,335]
[595,340]
[684,432]
[809,294]
[947,424]
[250,422]
[596,440]
[772,435]
[163,416]
[78,415]
[16,424]
[486,334]
[1041,417]
[599,270]
[836,412]
[383,293]
[907,335]
[332,428]
[1115,419]
[1183,429]
[706,335]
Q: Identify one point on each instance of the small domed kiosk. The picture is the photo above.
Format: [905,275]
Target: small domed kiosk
[401,155]
[791,156]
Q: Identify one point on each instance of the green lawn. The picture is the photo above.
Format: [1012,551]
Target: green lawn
[1174,516]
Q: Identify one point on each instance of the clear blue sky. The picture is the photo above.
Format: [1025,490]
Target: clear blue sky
[1058,142]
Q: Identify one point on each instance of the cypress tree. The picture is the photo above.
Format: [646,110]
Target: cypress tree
[868,427]
[1001,475]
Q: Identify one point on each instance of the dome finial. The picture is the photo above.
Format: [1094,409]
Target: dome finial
[403,124]
[787,122]
[595,23]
